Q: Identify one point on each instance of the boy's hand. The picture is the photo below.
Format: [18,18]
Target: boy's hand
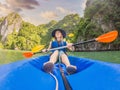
[69,45]
[44,50]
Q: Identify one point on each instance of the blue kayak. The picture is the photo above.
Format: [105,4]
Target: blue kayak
[29,75]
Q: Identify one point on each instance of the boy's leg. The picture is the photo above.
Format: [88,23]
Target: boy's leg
[70,68]
[54,56]
[48,66]
[65,59]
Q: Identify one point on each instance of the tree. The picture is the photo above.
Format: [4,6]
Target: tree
[1,45]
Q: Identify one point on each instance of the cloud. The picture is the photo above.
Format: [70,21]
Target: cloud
[48,15]
[83,4]
[23,4]
[33,20]
[55,14]
[17,6]
[64,11]
[4,8]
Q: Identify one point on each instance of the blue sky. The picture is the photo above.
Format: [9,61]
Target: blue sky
[42,11]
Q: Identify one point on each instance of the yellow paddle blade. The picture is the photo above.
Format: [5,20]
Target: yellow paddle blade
[38,48]
[108,37]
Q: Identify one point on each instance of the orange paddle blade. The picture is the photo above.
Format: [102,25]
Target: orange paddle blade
[28,54]
[108,37]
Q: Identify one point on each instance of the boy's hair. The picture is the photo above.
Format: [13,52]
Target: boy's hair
[62,31]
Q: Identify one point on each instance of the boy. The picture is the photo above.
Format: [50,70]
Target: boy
[59,35]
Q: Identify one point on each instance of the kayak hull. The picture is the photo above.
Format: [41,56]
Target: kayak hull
[29,75]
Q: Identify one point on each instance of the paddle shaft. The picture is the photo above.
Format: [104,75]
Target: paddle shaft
[93,40]
[65,81]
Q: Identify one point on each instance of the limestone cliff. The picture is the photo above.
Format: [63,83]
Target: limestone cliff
[11,23]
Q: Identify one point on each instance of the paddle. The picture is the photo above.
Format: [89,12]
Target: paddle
[34,50]
[65,81]
[105,38]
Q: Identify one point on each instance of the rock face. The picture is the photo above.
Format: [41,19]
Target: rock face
[104,15]
[90,2]
[10,24]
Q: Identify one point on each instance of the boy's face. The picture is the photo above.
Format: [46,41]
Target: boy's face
[58,35]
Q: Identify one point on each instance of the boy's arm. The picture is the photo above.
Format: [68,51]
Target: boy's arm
[49,47]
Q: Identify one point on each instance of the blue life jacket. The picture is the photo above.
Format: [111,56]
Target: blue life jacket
[55,44]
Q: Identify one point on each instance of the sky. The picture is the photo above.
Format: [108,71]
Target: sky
[42,11]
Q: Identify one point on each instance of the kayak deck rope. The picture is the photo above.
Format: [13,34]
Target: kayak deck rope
[56,88]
